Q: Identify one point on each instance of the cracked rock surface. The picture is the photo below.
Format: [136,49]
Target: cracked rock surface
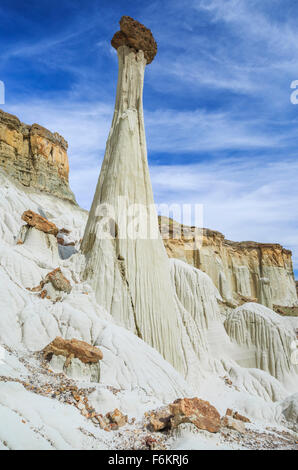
[136,36]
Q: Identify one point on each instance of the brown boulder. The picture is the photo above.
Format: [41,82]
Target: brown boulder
[116,417]
[196,411]
[58,281]
[135,35]
[39,222]
[237,416]
[160,419]
[186,410]
[73,348]
[240,417]
[231,423]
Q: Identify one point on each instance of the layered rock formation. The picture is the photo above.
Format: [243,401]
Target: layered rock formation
[34,156]
[242,271]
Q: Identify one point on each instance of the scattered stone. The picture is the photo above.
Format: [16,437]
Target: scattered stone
[237,416]
[151,443]
[54,282]
[196,411]
[43,294]
[160,420]
[62,242]
[231,423]
[73,348]
[186,410]
[39,222]
[64,230]
[101,421]
[135,35]
[58,281]
[117,417]
[240,417]
[228,381]
[80,406]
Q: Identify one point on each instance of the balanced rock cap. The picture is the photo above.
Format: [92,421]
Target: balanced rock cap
[135,35]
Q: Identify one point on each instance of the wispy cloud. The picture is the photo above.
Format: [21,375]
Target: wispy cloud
[244,199]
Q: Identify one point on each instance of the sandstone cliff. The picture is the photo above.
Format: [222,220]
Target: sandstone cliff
[34,156]
[242,271]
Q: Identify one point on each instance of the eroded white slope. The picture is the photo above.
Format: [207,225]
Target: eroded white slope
[268,337]
[222,355]
[144,378]
[29,322]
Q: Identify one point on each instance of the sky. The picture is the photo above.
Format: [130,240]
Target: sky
[221,128]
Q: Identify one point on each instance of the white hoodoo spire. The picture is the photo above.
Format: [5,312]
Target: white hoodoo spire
[131,277]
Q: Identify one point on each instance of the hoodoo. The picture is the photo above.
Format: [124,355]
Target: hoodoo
[131,275]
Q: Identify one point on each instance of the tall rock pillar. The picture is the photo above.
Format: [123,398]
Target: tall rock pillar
[131,277]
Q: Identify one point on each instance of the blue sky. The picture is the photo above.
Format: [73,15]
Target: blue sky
[221,130]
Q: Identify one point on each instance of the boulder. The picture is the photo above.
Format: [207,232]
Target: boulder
[195,411]
[231,423]
[237,416]
[52,287]
[73,348]
[135,35]
[58,281]
[39,222]
[160,420]
[116,417]
[186,410]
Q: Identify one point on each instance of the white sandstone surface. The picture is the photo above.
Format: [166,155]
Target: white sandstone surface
[144,379]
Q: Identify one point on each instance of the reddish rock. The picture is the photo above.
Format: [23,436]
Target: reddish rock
[186,410]
[160,420]
[43,294]
[231,423]
[40,223]
[102,422]
[58,281]
[114,427]
[135,35]
[64,230]
[237,416]
[73,348]
[196,411]
[150,442]
[116,417]
[61,241]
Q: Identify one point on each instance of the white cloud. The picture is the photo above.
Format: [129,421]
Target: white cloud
[245,199]
[200,131]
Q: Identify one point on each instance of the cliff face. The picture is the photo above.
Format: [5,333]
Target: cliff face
[240,270]
[34,156]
